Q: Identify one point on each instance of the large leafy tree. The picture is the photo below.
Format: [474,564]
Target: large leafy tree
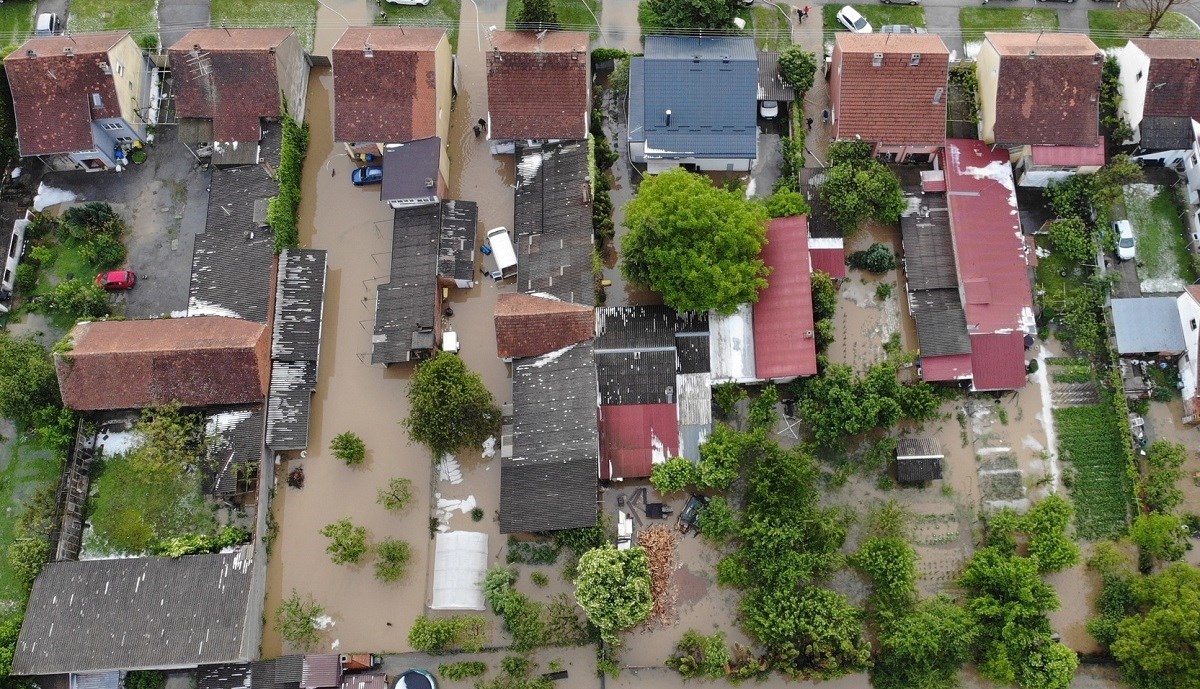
[28,382]
[449,406]
[694,243]
[693,14]
[798,67]
[858,187]
[1049,545]
[838,404]
[1159,646]
[536,15]
[924,648]
[613,588]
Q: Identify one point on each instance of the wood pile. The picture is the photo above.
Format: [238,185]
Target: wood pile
[659,543]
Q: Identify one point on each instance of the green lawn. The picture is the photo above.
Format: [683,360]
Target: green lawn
[103,15]
[1112,28]
[772,30]
[878,15]
[1050,278]
[573,15]
[975,20]
[24,468]
[299,14]
[1164,264]
[1090,439]
[438,13]
[16,21]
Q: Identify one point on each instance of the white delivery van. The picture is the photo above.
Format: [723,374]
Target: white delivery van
[504,253]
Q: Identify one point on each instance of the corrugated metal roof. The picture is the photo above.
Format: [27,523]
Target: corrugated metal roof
[224,676]
[1068,156]
[998,361]
[553,223]
[289,404]
[1148,325]
[635,327]
[942,331]
[407,324]
[233,257]
[182,612]
[928,247]
[456,251]
[321,671]
[637,100]
[549,483]
[636,436]
[636,376]
[1165,133]
[299,300]
[235,448]
[918,470]
[785,344]
[710,85]
[771,85]
[907,448]
[946,369]
[731,345]
[832,262]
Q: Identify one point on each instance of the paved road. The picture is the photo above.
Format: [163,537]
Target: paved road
[177,17]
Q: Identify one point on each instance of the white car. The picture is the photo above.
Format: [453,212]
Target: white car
[1126,244]
[409,2]
[852,20]
[768,109]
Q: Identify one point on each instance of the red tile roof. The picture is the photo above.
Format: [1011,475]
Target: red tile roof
[391,95]
[321,671]
[52,90]
[784,345]
[917,118]
[945,369]
[229,76]
[538,89]
[633,435]
[1069,156]
[198,362]
[998,361]
[828,256]
[990,251]
[1174,62]
[531,325]
[1052,98]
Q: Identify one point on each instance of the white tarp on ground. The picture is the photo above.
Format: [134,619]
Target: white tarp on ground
[459,563]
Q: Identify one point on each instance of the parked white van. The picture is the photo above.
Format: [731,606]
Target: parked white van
[501,245]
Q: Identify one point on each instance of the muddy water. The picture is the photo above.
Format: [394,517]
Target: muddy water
[333,16]
[351,395]
[619,26]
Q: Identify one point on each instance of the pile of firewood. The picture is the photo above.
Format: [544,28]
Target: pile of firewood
[659,543]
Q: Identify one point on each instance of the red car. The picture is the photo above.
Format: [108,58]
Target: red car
[116,279]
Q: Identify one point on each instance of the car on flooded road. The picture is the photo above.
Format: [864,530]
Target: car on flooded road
[371,174]
[116,280]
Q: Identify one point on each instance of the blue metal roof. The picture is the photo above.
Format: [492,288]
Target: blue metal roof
[637,100]
[710,85]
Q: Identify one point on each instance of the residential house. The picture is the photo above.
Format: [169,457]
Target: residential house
[393,85]
[539,88]
[536,324]
[183,612]
[1148,326]
[1039,97]
[227,81]
[1189,363]
[693,101]
[80,100]
[199,362]
[911,128]
[1160,96]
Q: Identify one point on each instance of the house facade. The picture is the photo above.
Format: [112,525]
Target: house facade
[1160,96]
[693,101]
[908,129]
[539,88]
[227,81]
[80,101]
[1039,97]
[393,86]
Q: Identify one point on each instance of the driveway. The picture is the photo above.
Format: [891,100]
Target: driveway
[59,7]
[177,17]
[164,202]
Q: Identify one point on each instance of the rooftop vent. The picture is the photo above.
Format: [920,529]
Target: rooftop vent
[877,60]
[428,182]
[105,68]
[1033,55]
[30,54]
[1097,58]
[368,51]
[668,118]
[914,60]
[68,51]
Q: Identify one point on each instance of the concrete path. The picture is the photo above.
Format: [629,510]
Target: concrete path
[810,36]
[619,26]
[177,17]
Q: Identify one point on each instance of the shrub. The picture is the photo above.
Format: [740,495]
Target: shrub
[477,514]
[349,448]
[347,542]
[539,579]
[786,203]
[824,296]
[145,679]
[606,54]
[436,634]
[74,300]
[462,670]
[718,521]
[878,258]
[394,555]
[726,397]
[697,655]
[1073,241]
[103,251]
[26,278]
[283,209]
[396,496]
[27,556]
[531,553]
[674,475]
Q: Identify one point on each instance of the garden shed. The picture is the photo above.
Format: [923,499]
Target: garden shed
[459,562]
[918,460]
[1148,325]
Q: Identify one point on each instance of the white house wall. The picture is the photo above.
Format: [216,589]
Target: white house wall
[1189,312]
[1133,90]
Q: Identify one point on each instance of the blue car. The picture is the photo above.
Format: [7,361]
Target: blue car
[371,174]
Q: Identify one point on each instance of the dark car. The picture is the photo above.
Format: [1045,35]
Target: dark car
[371,174]
[116,279]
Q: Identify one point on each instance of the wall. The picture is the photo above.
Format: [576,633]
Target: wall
[987,69]
[292,65]
[657,165]
[443,76]
[1133,89]
[131,77]
[1189,310]
[835,84]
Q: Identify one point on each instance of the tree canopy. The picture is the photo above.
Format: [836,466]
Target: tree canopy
[613,588]
[1159,645]
[28,381]
[695,244]
[693,14]
[924,648]
[449,406]
[798,67]
[838,404]
[536,15]
[858,187]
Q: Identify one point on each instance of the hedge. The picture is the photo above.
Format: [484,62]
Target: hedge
[283,209]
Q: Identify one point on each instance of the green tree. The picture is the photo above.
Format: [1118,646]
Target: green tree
[694,14]
[1162,536]
[27,556]
[722,454]
[837,404]
[798,67]
[763,416]
[891,564]
[924,648]
[347,542]
[818,628]
[536,15]
[296,621]
[28,381]
[1073,241]
[785,203]
[717,520]
[1049,545]
[349,448]
[1158,646]
[465,669]
[394,555]
[449,406]
[858,188]
[824,295]
[613,588]
[74,300]
[396,496]
[674,475]
[695,244]
[877,258]
[1164,460]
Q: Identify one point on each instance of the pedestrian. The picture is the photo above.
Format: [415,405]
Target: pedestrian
[477,130]
[808,123]
[806,8]
[482,123]
[800,14]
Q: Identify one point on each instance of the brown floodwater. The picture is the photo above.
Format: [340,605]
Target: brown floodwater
[333,16]
[352,395]
[619,26]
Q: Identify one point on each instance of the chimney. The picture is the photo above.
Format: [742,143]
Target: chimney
[1032,55]
[668,118]
[68,51]
[30,54]
[196,47]
[368,51]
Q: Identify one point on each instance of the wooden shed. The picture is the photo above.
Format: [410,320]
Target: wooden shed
[918,460]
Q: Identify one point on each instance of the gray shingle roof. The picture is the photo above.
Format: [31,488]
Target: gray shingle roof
[231,262]
[932,278]
[456,251]
[1165,133]
[406,305]
[549,483]
[710,85]
[236,449]
[295,346]
[137,613]
[553,223]
[1147,325]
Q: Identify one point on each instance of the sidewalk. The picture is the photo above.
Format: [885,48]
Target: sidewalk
[810,35]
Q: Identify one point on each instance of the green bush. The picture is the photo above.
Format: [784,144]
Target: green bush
[347,542]
[145,679]
[697,655]
[539,579]
[283,209]
[26,278]
[605,54]
[437,634]
[785,203]
[27,556]
[726,396]
[531,553]
[74,300]
[349,448]
[103,251]
[718,521]
[878,258]
[462,670]
[195,544]
[674,475]
[394,556]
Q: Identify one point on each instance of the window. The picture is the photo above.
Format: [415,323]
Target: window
[914,60]
[1193,323]
[97,101]
[120,68]
[112,126]
[12,249]
[125,139]
[1139,75]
